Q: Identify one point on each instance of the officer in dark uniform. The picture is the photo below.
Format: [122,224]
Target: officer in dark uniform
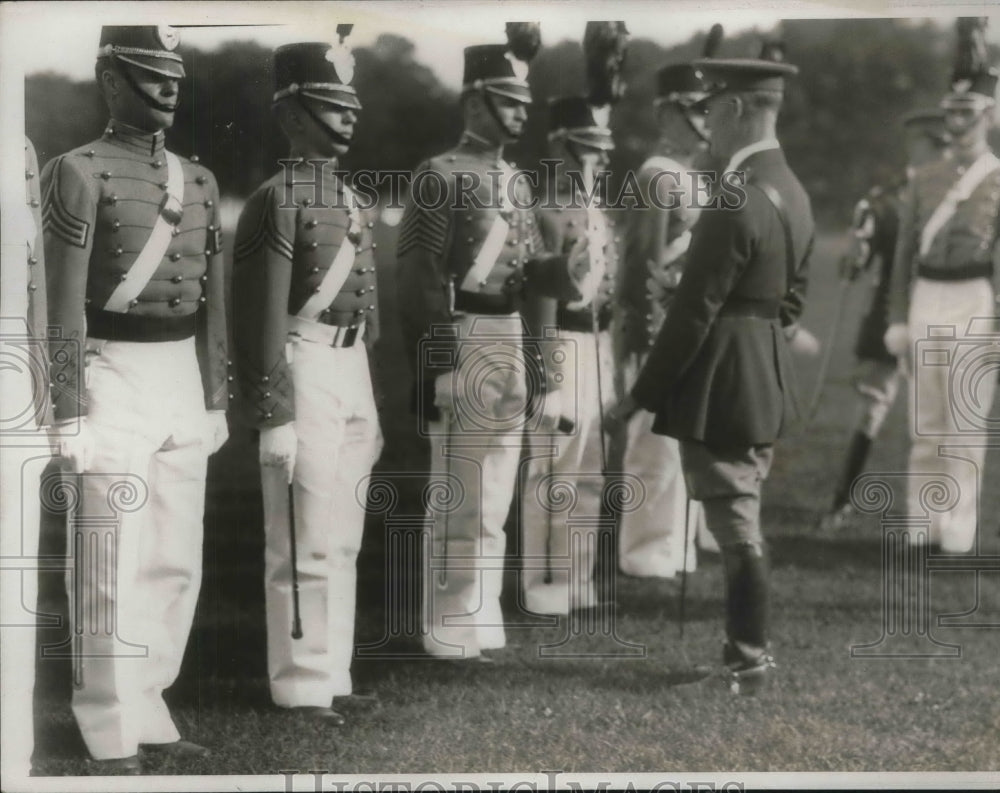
[469,247]
[719,377]
[874,233]
[24,452]
[559,555]
[135,275]
[304,308]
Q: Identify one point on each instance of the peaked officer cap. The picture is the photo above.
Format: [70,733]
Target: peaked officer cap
[494,68]
[744,74]
[317,70]
[150,47]
[572,118]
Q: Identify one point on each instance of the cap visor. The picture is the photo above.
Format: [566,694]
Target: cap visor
[519,93]
[167,67]
[343,99]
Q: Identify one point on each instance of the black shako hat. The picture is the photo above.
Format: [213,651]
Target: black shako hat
[573,118]
[681,83]
[495,68]
[317,70]
[149,47]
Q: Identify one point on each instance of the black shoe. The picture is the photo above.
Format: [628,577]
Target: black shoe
[181,749]
[319,713]
[117,766]
[750,677]
[359,698]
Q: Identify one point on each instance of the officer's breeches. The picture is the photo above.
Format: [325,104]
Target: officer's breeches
[951,394]
[136,540]
[474,458]
[338,442]
[651,538]
[562,492]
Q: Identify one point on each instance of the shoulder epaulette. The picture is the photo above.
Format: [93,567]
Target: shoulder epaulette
[59,218]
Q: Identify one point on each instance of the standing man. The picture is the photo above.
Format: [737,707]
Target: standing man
[719,377]
[559,553]
[135,276]
[942,299]
[651,538]
[304,308]
[876,228]
[24,452]
[468,249]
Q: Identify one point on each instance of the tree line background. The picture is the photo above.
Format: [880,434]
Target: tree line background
[840,125]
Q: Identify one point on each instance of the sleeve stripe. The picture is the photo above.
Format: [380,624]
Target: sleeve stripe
[57,217]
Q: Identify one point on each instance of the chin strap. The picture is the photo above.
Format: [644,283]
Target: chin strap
[335,136]
[496,115]
[686,112]
[123,68]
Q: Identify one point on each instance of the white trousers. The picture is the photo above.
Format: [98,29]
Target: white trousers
[651,538]
[136,540]
[338,443]
[950,396]
[474,460]
[22,460]
[564,486]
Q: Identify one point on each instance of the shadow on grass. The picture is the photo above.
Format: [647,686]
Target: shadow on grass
[825,552]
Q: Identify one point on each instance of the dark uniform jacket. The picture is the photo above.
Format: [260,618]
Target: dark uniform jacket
[876,222]
[453,205]
[561,227]
[287,238]
[720,370]
[963,248]
[100,203]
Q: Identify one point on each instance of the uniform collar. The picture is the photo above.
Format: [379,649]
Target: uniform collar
[747,152]
[135,139]
[472,142]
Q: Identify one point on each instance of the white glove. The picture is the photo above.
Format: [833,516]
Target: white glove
[278,446]
[444,391]
[74,442]
[218,429]
[802,341]
[551,410]
[897,339]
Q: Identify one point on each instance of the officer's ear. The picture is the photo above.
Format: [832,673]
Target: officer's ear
[107,78]
[740,105]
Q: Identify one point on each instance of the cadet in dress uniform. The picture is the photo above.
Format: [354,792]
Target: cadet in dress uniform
[719,377]
[558,549]
[24,452]
[874,233]
[465,259]
[304,307]
[135,275]
[651,538]
[942,298]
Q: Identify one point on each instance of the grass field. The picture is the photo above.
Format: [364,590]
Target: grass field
[632,709]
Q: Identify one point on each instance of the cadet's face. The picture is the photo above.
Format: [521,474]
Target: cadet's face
[595,159]
[512,113]
[338,118]
[965,121]
[131,108]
